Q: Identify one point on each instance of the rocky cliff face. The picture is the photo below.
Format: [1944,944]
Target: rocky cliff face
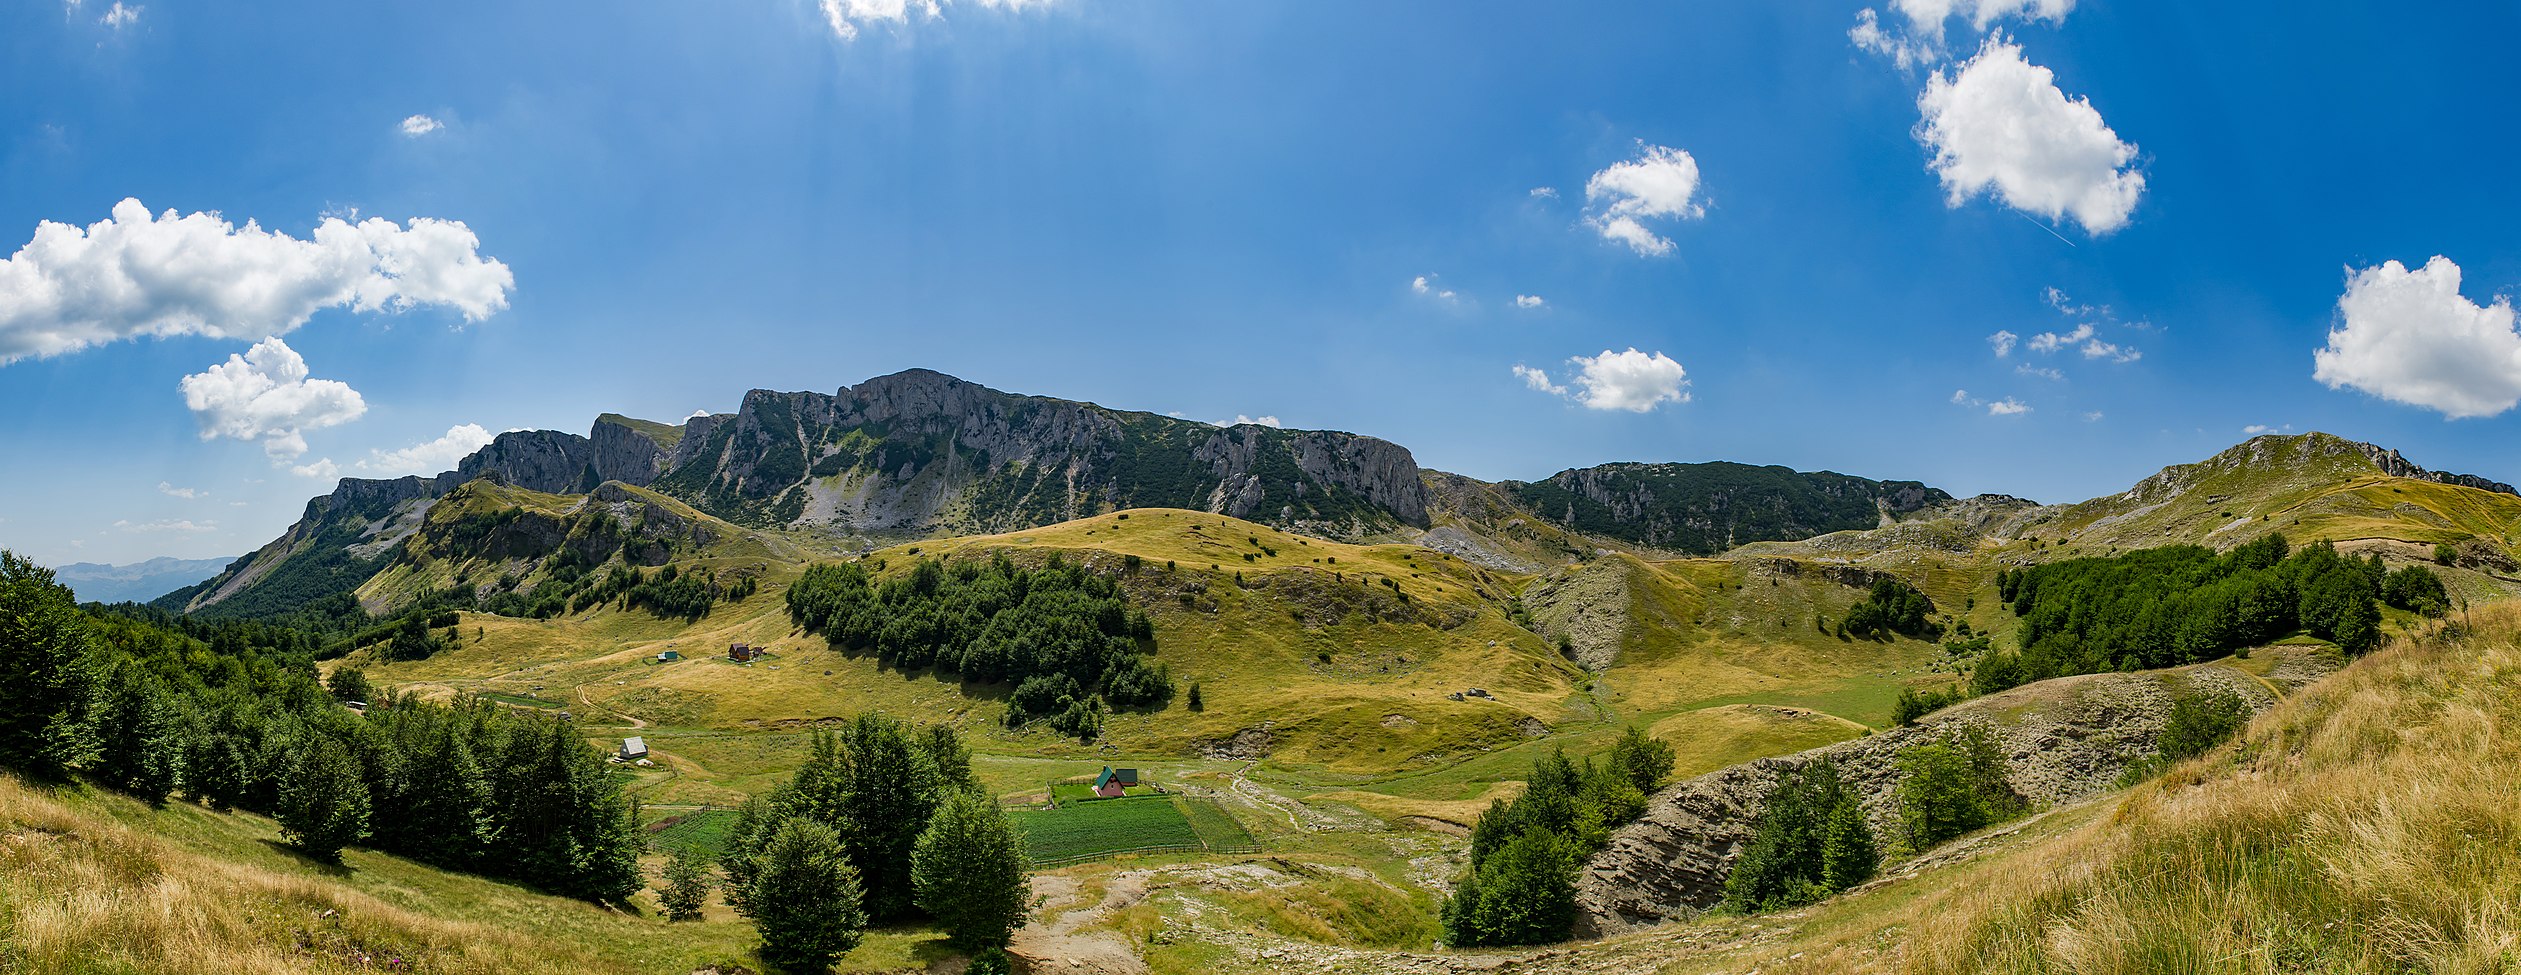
[2067,740]
[1703,509]
[345,536]
[920,452]
[562,463]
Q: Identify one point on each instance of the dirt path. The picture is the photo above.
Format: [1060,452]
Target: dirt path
[1049,942]
[636,723]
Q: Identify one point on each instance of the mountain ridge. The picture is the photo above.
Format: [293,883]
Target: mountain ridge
[920,454]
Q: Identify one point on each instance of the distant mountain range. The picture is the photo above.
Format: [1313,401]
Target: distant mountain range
[920,454]
[138,582]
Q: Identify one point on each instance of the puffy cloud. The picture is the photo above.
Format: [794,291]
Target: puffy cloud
[2097,349]
[185,493]
[1927,16]
[2002,342]
[164,526]
[846,16]
[1902,47]
[2409,337]
[2046,342]
[265,395]
[1999,126]
[119,16]
[133,274]
[1528,301]
[1266,421]
[2007,406]
[1425,284]
[1661,182]
[1544,192]
[1632,380]
[1920,41]
[2257,429]
[323,469]
[420,125]
[428,457]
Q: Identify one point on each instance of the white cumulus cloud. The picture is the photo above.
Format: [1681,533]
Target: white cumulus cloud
[420,125]
[119,16]
[846,16]
[1528,301]
[1633,381]
[1425,284]
[134,274]
[164,526]
[1920,40]
[428,457]
[1661,183]
[2410,337]
[1999,126]
[2002,342]
[2007,406]
[265,395]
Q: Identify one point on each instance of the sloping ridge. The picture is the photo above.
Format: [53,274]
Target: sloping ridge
[2067,739]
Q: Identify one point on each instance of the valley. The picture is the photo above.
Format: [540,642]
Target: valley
[1361,658]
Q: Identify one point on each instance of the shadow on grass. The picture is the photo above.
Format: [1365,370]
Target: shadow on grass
[329,868]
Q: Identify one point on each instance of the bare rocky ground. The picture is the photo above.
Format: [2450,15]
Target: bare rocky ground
[2068,741]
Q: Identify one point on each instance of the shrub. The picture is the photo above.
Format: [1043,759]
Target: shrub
[1953,787]
[1810,841]
[686,885]
[1524,894]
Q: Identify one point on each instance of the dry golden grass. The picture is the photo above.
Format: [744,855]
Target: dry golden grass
[81,894]
[2371,824]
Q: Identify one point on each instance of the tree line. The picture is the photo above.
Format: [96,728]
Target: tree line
[1066,637]
[152,710]
[2164,607]
[1521,885]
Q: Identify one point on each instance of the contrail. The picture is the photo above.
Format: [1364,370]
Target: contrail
[2051,230]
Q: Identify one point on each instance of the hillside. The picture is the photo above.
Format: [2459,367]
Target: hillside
[1703,509]
[2363,825]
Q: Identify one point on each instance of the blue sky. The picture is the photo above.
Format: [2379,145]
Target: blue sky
[1323,213]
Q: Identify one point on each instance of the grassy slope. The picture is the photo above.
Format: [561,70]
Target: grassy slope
[95,882]
[2370,824]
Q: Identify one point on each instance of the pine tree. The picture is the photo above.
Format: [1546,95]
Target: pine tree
[805,898]
[45,649]
[323,803]
[686,885]
[970,872]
